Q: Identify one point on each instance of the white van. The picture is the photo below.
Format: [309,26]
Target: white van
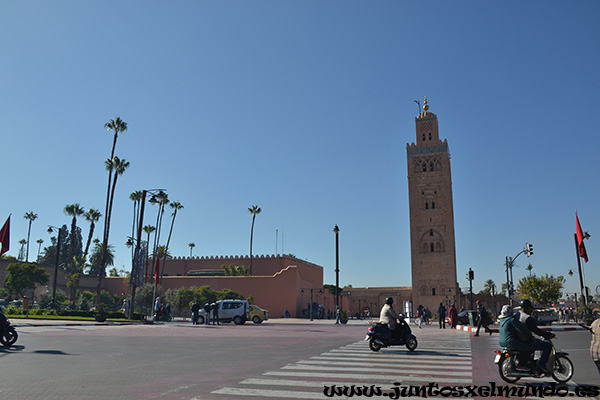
[237,311]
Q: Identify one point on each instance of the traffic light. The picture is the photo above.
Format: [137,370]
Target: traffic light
[528,249]
[470,275]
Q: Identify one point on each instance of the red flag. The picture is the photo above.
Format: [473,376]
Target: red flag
[156,271]
[580,244]
[5,236]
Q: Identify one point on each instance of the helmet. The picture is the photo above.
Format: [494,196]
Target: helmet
[526,303]
[389,300]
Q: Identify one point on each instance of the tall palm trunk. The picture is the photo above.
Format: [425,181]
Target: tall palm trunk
[176,206]
[28,235]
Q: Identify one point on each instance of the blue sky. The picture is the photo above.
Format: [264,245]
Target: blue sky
[305,109]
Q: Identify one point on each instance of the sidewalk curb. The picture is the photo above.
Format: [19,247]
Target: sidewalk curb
[494,330]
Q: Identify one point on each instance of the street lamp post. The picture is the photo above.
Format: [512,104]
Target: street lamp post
[336,230]
[50,230]
[509,266]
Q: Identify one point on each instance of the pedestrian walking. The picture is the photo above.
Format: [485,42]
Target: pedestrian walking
[453,315]
[207,310]
[484,318]
[337,315]
[441,312]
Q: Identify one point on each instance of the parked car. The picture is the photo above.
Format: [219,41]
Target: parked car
[545,316]
[257,314]
[463,317]
[237,311]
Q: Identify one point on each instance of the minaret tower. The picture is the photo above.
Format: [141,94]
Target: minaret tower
[431,216]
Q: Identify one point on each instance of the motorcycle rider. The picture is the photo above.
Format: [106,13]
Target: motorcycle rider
[389,316]
[511,330]
[526,318]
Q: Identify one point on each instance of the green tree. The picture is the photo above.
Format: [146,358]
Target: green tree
[229,294]
[254,210]
[529,267]
[543,290]
[236,270]
[23,277]
[30,216]
[96,257]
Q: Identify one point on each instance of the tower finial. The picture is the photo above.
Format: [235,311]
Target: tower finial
[425,106]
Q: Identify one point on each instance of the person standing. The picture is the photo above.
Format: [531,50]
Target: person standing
[484,318]
[215,310]
[337,315]
[195,310]
[453,316]
[420,311]
[441,312]
[157,308]
[595,345]
[207,311]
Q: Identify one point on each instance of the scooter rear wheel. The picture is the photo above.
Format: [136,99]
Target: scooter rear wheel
[373,345]
[9,337]
[563,369]
[411,344]
[503,367]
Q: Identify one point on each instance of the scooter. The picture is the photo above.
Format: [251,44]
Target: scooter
[8,334]
[558,363]
[379,335]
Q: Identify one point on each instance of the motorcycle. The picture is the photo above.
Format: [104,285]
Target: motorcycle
[379,335]
[8,334]
[558,363]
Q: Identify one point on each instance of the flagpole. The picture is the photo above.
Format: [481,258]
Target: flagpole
[580,269]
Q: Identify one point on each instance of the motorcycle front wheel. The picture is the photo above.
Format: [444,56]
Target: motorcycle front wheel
[373,345]
[9,337]
[503,367]
[563,369]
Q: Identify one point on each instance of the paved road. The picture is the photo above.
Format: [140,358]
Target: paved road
[277,359]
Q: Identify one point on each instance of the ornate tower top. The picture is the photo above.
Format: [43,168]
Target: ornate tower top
[425,106]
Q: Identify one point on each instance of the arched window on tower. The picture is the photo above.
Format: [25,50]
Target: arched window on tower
[433,291]
[423,137]
[433,205]
[431,232]
[429,135]
[427,205]
[431,247]
[424,167]
[431,167]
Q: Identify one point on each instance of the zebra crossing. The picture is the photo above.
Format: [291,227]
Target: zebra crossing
[443,360]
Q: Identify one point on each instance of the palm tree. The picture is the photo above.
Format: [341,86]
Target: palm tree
[136,197]
[73,210]
[192,245]
[22,242]
[31,216]
[529,267]
[92,216]
[489,286]
[39,242]
[161,198]
[175,205]
[117,126]
[148,229]
[254,210]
